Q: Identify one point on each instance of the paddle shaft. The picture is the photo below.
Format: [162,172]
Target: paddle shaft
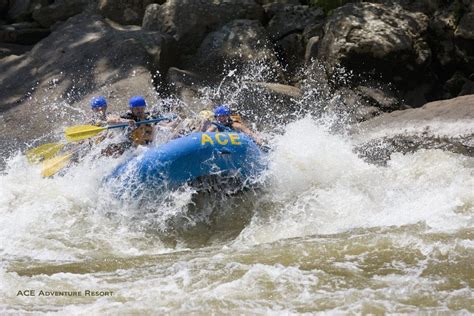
[80,132]
[164,118]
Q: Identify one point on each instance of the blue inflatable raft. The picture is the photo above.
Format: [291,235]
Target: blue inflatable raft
[189,158]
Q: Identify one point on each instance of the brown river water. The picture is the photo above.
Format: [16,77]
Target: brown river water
[322,232]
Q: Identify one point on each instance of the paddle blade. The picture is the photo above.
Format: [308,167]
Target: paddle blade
[80,132]
[45,151]
[53,165]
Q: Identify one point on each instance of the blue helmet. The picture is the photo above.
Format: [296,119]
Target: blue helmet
[137,102]
[222,110]
[98,102]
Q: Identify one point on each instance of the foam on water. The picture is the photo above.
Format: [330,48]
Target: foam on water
[64,218]
[324,231]
[318,185]
[315,184]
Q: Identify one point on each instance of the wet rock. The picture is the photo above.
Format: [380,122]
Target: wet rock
[446,125]
[450,38]
[234,46]
[282,90]
[467,88]
[313,29]
[442,27]
[312,35]
[22,36]
[19,10]
[455,84]
[379,151]
[273,7]
[89,57]
[292,18]
[465,28]
[183,78]
[458,113]
[7,49]
[189,21]
[47,15]
[383,39]
[311,51]
[125,11]
[264,2]
[3,7]
[349,107]
[20,26]
[266,103]
[291,52]
[186,85]
[380,97]
[464,41]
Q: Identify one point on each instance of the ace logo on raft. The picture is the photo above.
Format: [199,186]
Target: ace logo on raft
[222,139]
[30,293]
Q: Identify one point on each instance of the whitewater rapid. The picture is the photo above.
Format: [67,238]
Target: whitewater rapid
[323,231]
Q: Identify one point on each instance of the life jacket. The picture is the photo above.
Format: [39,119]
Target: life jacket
[235,117]
[142,135]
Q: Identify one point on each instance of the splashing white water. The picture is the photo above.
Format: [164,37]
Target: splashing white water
[319,186]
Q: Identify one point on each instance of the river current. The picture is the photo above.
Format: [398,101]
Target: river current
[323,230]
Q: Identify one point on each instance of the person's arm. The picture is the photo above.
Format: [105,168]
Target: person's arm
[211,128]
[244,129]
[114,120]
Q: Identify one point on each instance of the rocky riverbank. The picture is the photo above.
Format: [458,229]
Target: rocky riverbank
[359,60]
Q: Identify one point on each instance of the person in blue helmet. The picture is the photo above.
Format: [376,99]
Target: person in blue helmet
[225,121]
[143,134]
[78,150]
[137,135]
[99,111]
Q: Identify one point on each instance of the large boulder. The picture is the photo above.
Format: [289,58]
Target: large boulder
[24,33]
[267,104]
[464,36]
[3,7]
[446,125]
[234,46]
[186,85]
[442,27]
[384,39]
[7,49]
[292,18]
[19,10]
[125,11]
[51,84]
[453,116]
[465,28]
[60,10]
[291,52]
[452,42]
[188,21]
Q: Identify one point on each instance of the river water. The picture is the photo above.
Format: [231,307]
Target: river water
[322,231]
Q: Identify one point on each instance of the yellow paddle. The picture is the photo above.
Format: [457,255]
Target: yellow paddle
[43,152]
[53,165]
[76,133]
[80,132]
